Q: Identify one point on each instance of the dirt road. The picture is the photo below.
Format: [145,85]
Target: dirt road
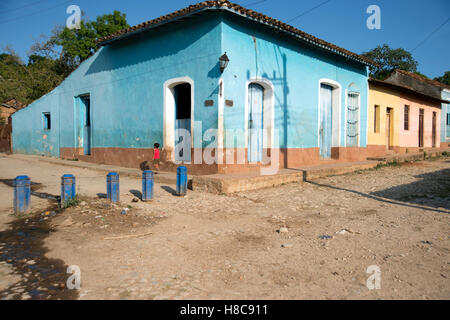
[312,240]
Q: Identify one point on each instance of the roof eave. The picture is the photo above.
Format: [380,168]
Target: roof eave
[152,26]
[400,87]
[225,8]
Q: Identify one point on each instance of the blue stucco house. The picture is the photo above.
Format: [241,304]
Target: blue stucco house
[275,90]
[445,117]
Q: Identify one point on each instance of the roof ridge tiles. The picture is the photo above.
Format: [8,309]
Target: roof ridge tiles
[260,17]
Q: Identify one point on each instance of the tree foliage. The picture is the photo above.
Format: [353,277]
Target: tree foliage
[389,59]
[445,78]
[53,59]
[80,44]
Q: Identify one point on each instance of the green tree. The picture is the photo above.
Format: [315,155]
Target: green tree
[389,59]
[51,60]
[14,77]
[45,75]
[445,79]
[80,44]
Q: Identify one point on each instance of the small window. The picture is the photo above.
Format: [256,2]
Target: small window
[406,118]
[376,119]
[47,121]
[448,119]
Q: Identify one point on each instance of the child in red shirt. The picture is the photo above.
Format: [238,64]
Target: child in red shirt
[156,156]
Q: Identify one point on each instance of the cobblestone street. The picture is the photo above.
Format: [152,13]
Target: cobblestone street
[311,240]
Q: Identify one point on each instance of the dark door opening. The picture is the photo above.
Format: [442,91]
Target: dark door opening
[388,128]
[182,95]
[433,137]
[85,123]
[421,118]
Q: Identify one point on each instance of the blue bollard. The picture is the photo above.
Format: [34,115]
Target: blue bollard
[181,180]
[147,185]
[67,188]
[22,192]
[112,186]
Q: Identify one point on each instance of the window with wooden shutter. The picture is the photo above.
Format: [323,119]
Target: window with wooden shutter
[406,118]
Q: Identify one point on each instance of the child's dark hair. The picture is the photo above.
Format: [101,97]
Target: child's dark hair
[156,145]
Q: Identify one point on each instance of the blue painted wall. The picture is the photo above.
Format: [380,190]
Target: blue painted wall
[445,109]
[125,82]
[29,135]
[256,52]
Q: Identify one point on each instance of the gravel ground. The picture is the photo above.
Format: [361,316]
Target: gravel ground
[311,240]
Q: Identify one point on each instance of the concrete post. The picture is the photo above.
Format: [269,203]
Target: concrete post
[22,193]
[181,181]
[112,187]
[147,185]
[67,188]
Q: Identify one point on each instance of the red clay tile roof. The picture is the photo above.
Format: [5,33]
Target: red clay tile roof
[255,16]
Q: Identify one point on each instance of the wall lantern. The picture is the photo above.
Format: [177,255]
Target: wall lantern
[223,61]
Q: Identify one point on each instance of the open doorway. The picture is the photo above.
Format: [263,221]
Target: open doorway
[84,123]
[182,97]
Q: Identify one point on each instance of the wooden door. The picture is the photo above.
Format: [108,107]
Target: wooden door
[388,128]
[433,137]
[255,122]
[421,118]
[325,123]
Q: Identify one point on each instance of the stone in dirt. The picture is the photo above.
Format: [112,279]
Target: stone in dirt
[283,230]
[135,199]
[347,231]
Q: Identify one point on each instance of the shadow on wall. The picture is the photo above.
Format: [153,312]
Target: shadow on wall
[302,122]
[433,190]
[282,117]
[160,42]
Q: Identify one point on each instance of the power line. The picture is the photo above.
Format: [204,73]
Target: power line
[308,11]
[21,7]
[254,3]
[36,12]
[429,36]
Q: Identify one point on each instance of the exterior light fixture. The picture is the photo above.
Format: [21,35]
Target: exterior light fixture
[223,61]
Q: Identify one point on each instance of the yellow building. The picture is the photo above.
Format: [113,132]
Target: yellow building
[401,119]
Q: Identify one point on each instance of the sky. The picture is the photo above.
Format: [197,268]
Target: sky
[420,26]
